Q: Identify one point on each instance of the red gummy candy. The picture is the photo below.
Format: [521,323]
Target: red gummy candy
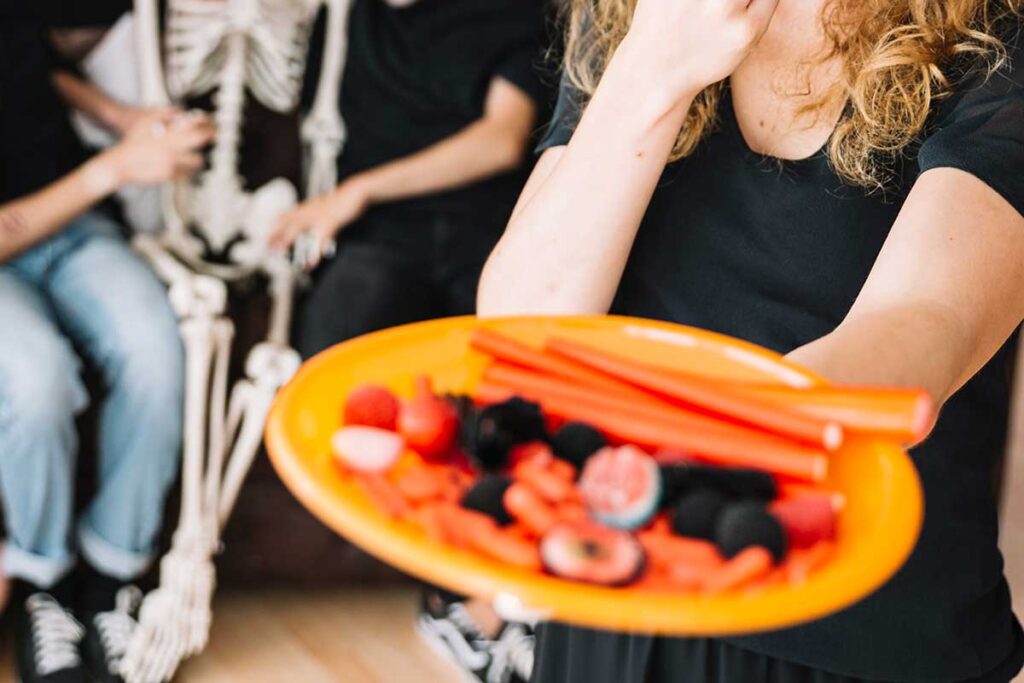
[372,406]
[807,519]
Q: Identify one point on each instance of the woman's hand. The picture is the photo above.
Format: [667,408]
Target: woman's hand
[161,146]
[687,45]
[119,118]
[322,217]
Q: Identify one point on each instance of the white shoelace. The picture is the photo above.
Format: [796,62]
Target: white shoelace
[116,627]
[55,634]
[458,627]
[511,654]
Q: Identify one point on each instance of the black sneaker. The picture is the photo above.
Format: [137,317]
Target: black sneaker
[107,635]
[449,630]
[46,642]
[511,655]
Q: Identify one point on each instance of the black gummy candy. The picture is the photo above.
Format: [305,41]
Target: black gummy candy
[742,525]
[488,497]
[501,426]
[577,441]
[694,515]
[732,482]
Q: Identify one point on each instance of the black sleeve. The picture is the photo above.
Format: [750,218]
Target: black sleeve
[980,129]
[568,110]
[32,122]
[479,40]
[519,66]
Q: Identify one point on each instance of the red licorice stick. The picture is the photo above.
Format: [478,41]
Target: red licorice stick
[381,491]
[532,511]
[748,565]
[665,550]
[418,484]
[462,526]
[794,489]
[740,449]
[508,547]
[711,396]
[545,482]
[509,350]
[533,384]
[902,414]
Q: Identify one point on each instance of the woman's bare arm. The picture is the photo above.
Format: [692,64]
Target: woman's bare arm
[946,292]
[567,244]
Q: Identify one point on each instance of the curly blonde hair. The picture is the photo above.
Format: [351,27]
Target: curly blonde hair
[898,57]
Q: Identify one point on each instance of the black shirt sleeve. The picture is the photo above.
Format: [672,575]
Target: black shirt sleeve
[473,42]
[33,129]
[568,109]
[980,129]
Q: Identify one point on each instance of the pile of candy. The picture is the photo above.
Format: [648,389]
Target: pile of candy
[600,469]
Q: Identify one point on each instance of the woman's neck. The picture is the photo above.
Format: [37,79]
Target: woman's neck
[787,73]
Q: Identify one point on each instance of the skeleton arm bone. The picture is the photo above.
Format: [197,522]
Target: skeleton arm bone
[324,130]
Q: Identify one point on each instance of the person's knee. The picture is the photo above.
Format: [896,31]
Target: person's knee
[145,357]
[40,391]
[362,292]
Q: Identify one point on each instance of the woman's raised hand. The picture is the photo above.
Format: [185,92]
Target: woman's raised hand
[687,45]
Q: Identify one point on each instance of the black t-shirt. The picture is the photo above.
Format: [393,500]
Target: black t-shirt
[775,253]
[37,145]
[417,75]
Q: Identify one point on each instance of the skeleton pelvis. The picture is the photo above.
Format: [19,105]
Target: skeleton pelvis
[231,225]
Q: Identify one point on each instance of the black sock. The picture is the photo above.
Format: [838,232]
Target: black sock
[98,591]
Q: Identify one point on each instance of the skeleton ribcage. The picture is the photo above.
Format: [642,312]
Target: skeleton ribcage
[276,31]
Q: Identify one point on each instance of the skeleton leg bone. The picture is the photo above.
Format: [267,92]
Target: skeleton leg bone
[175,619]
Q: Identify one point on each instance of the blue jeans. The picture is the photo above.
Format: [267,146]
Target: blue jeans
[85,289]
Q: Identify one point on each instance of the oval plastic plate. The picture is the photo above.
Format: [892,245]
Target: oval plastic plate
[877,528]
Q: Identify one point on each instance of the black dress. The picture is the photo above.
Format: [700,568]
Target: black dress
[775,253]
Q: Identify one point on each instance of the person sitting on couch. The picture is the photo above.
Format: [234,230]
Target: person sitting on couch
[72,289]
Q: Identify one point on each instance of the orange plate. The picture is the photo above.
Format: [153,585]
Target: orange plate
[877,528]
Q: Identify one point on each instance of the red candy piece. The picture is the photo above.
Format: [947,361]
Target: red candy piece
[428,423]
[807,519]
[372,406]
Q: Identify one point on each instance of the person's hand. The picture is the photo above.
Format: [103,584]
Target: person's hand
[687,45]
[161,146]
[120,118]
[322,217]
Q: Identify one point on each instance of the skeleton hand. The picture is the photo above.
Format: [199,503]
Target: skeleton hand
[322,217]
[160,146]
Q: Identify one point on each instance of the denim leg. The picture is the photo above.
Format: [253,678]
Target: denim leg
[113,306]
[40,393]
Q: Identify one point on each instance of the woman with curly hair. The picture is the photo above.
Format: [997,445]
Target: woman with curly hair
[839,180]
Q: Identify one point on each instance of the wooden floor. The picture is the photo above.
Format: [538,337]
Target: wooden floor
[364,636]
[343,636]
[333,636]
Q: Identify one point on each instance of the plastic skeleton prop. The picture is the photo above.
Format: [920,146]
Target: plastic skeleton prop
[230,47]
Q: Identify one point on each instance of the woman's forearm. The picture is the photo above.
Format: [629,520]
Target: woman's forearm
[31,219]
[574,234]
[911,346]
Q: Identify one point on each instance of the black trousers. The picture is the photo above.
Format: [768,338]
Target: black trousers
[567,654]
[393,268]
